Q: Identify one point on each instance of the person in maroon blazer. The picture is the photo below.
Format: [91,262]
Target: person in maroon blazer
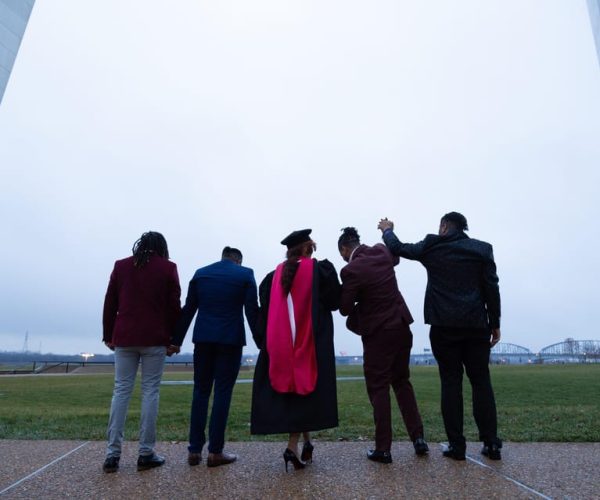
[141,309]
[377,312]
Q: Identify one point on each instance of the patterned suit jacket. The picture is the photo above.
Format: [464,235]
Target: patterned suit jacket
[462,284]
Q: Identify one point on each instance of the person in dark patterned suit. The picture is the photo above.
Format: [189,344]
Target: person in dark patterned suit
[462,305]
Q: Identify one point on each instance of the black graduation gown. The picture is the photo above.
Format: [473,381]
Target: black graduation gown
[276,413]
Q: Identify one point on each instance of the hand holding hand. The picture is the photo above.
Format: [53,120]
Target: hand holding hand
[385,224]
[495,336]
[173,349]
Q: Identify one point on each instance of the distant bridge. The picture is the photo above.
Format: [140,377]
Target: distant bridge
[507,353]
[574,351]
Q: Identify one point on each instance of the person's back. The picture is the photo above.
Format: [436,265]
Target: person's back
[294,385]
[462,305]
[371,272]
[461,280]
[221,291]
[377,312]
[147,299]
[462,284]
[218,293]
[141,309]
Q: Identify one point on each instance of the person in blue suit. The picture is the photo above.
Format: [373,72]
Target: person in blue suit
[219,293]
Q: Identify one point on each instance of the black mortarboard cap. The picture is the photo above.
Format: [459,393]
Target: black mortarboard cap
[297,237]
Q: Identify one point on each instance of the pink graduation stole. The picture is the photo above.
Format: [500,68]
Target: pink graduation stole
[292,363]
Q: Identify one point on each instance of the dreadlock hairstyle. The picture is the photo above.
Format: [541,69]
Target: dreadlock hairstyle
[291,264]
[349,238]
[150,243]
[456,220]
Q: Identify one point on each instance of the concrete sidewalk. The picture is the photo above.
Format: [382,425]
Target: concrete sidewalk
[59,469]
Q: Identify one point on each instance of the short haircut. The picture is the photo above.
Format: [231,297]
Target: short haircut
[456,220]
[232,254]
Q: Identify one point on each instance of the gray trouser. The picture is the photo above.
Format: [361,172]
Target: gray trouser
[126,365]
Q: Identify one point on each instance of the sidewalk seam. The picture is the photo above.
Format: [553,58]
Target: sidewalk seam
[508,478]
[35,473]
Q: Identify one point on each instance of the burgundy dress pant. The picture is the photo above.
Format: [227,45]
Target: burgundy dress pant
[386,358]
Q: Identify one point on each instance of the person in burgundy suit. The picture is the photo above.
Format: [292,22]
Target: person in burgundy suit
[377,312]
[141,309]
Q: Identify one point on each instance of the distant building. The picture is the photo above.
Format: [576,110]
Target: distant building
[594,8]
[14,15]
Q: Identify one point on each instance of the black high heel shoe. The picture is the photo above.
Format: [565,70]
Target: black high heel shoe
[307,451]
[290,456]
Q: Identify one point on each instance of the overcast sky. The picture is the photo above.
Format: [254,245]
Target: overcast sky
[236,122]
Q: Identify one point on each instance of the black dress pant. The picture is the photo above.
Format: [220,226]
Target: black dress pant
[386,359]
[455,348]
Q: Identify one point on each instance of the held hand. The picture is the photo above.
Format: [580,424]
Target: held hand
[385,224]
[173,349]
[495,337]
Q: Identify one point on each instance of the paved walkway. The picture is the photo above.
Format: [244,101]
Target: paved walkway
[60,469]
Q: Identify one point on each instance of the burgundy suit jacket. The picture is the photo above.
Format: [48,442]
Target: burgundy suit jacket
[370,296]
[142,305]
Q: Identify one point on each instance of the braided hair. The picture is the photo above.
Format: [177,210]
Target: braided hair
[349,238]
[150,243]
[290,267]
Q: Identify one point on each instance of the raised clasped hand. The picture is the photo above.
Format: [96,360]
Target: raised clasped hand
[385,224]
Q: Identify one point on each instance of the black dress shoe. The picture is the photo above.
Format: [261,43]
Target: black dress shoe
[383,457]
[421,447]
[146,462]
[194,458]
[216,459]
[492,450]
[111,464]
[455,453]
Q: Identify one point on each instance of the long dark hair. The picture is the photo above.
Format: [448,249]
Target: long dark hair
[150,243]
[291,264]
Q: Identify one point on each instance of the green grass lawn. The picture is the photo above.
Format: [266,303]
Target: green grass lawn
[535,403]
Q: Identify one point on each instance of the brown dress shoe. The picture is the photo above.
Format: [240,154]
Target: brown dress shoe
[194,458]
[216,459]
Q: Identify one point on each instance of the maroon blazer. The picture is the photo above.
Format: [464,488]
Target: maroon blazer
[370,296]
[142,305]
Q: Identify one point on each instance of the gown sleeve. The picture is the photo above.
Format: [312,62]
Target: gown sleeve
[264,293]
[329,286]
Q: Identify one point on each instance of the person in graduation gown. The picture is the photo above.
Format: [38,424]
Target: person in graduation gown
[294,388]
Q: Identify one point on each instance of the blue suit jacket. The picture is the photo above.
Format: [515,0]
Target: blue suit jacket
[218,293]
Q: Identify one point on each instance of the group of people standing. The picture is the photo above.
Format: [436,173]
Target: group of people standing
[294,386]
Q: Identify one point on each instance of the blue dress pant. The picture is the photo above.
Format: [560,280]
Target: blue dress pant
[218,365]
[455,348]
